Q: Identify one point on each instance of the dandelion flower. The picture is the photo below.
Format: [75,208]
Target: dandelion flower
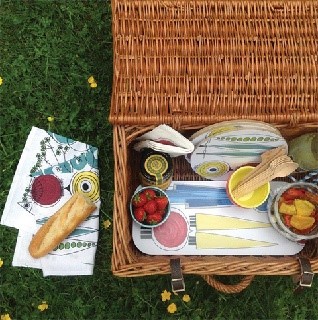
[165,295]
[91,79]
[186,298]
[172,308]
[1,262]
[43,306]
[107,224]
[1,82]
[50,119]
[92,82]
[5,317]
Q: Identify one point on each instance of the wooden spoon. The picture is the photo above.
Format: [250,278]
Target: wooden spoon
[266,158]
[279,167]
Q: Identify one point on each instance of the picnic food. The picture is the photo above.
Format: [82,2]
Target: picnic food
[139,200]
[61,224]
[140,214]
[161,202]
[153,210]
[155,169]
[298,208]
[154,218]
[173,233]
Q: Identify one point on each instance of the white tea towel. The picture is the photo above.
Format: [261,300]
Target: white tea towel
[51,169]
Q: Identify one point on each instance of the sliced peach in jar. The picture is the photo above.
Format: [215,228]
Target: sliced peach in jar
[285,208]
[304,207]
[302,222]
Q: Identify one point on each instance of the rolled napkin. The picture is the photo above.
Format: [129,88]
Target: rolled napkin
[53,168]
[165,139]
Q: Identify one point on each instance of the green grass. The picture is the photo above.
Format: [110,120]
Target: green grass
[48,49]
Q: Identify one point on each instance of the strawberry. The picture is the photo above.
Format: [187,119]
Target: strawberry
[150,207]
[161,212]
[162,202]
[294,193]
[287,218]
[150,194]
[139,200]
[140,214]
[154,218]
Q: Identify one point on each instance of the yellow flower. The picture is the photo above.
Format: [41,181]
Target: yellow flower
[107,224]
[1,82]
[91,79]
[43,306]
[1,262]
[165,295]
[50,119]
[5,317]
[186,298]
[172,308]
[92,82]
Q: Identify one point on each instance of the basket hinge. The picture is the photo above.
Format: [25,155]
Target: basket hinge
[177,281]
[305,279]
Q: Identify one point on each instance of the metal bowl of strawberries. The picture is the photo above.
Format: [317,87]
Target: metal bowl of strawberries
[149,206]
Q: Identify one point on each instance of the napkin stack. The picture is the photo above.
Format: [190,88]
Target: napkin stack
[51,169]
[165,139]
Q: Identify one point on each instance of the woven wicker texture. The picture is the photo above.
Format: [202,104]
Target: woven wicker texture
[127,261]
[193,63]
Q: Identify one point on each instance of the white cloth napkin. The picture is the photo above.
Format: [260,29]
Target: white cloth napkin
[51,169]
[165,139]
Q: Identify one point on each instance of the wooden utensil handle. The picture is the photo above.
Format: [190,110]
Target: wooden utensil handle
[267,157]
[252,184]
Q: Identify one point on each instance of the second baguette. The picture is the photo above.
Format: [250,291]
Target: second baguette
[60,225]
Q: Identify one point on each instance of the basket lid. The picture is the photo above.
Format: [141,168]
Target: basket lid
[193,62]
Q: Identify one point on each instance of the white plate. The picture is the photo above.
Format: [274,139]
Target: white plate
[218,155]
[227,126]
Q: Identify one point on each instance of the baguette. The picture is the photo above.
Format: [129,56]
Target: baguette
[60,225]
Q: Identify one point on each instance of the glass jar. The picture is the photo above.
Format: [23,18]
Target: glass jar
[155,169]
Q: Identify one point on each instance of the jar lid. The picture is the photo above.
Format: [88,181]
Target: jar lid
[155,166]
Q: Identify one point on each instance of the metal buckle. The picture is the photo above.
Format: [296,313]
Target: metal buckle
[306,276]
[306,282]
[178,285]
[177,281]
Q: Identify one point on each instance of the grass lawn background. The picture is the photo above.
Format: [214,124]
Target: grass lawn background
[48,49]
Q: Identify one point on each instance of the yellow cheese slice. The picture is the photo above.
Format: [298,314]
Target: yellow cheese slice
[209,222]
[216,241]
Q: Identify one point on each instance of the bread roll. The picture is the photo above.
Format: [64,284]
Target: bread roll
[60,225]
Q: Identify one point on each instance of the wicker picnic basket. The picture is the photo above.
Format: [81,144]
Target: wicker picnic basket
[192,63]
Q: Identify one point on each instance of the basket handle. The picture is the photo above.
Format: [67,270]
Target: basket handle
[228,288]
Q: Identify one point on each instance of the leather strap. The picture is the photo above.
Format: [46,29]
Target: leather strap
[177,281]
[306,275]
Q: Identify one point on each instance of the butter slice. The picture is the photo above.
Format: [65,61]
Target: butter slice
[215,222]
[216,241]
